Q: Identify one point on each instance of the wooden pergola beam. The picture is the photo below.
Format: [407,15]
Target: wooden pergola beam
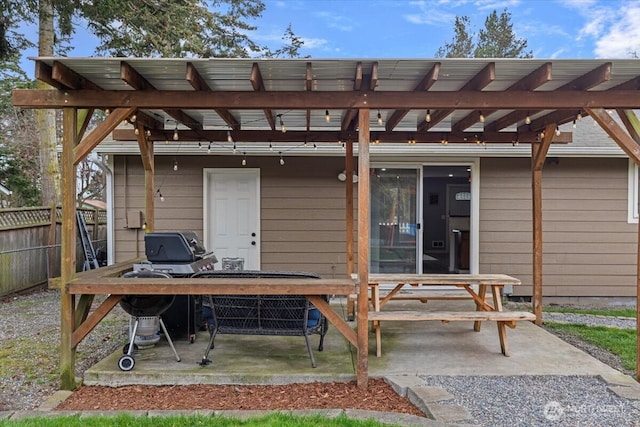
[198,83]
[616,132]
[101,131]
[587,81]
[258,85]
[332,136]
[300,100]
[532,81]
[425,84]
[477,83]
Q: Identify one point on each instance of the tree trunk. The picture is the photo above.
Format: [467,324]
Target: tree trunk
[46,119]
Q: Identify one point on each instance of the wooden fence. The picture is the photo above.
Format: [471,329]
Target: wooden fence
[30,244]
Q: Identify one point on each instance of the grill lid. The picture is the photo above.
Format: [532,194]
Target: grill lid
[173,247]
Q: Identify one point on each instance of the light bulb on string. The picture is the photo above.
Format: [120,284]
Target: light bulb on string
[270,147]
[136,131]
[234,148]
[244,159]
[327,117]
[574,123]
[557,130]
[175,133]
[527,120]
[160,195]
[579,115]
[283,128]
[199,145]
[229,137]
[175,164]
[107,112]
[481,117]
[379,118]
[209,148]
[315,147]
[281,159]
[427,117]
[148,132]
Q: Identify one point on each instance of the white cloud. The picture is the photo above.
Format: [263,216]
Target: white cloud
[314,43]
[337,22]
[621,35]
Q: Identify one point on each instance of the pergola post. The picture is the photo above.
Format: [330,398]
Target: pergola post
[362,366]
[538,156]
[68,250]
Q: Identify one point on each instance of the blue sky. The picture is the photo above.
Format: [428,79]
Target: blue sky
[417,28]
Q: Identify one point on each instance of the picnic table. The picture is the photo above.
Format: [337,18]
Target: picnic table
[475,285]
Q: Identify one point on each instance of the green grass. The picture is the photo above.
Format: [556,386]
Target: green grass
[613,312]
[621,342]
[126,420]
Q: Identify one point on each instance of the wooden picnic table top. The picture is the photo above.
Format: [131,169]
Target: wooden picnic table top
[443,279]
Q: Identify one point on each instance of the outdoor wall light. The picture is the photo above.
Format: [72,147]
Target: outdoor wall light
[342,177]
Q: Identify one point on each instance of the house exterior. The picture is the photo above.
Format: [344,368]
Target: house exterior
[589,223]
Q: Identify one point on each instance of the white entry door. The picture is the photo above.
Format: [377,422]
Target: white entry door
[232,214]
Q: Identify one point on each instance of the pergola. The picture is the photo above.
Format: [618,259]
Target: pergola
[422,101]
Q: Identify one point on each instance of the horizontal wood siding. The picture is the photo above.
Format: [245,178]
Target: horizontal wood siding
[302,207]
[589,249]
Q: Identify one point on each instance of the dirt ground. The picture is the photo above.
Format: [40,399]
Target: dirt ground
[379,396]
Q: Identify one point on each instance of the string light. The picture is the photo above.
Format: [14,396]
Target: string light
[574,123]
[136,131]
[315,147]
[244,159]
[133,118]
[327,117]
[229,137]
[516,140]
[379,118]
[444,140]
[148,132]
[234,148]
[175,164]
[579,115]
[107,112]
[481,117]
[427,117]
[199,145]
[160,195]
[175,132]
[281,159]
[282,126]
[270,147]
[557,130]
[527,120]
[209,148]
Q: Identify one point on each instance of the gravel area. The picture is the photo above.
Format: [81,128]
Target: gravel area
[30,336]
[538,401]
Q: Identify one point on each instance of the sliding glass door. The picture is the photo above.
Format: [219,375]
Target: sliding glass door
[394,228]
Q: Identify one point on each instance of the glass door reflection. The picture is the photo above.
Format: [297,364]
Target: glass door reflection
[394,231]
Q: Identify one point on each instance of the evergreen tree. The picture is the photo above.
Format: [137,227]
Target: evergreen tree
[142,28]
[496,40]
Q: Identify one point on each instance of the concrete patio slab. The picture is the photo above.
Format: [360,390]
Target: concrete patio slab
[408,349]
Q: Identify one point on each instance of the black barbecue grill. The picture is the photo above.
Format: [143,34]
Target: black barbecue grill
[179,254]
[142,308]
